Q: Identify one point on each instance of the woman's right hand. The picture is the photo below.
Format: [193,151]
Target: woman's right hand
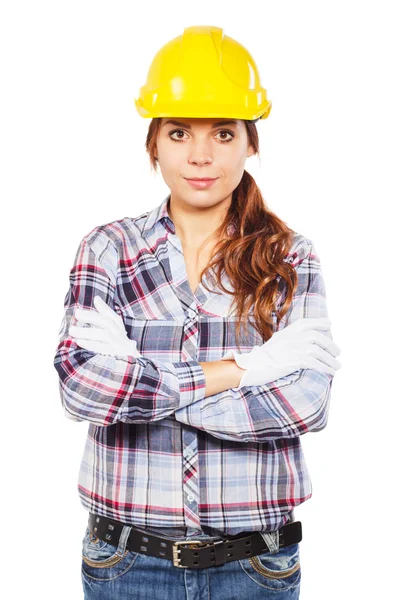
[301,345]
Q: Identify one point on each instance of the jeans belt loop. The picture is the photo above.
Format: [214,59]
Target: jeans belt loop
[271,539]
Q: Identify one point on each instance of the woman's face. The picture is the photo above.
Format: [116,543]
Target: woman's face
[197,147]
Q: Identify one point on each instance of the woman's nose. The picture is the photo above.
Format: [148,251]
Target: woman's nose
[200,156]
[200,151]
[200,160]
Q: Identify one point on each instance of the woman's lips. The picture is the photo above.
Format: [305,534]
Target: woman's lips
[200,184]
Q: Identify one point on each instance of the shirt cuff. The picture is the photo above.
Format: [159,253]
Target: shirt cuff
[192,382]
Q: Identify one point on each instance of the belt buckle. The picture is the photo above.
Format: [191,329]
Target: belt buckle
[176,551]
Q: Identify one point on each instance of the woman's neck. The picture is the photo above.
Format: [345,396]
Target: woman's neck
[195,227]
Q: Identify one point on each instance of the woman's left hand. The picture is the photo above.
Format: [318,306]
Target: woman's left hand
[109,334]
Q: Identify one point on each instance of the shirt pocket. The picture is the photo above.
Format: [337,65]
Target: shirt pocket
[218,335]
[156,338]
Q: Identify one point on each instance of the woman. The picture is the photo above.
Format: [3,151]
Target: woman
[196,343]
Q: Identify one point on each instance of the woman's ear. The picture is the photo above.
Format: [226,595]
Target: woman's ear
[250,151]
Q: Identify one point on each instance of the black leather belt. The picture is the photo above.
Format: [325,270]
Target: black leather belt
[198,554]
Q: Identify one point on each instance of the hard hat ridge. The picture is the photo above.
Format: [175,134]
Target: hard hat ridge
[203,73]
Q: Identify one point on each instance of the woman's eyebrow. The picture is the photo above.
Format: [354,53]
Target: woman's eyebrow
[217,124]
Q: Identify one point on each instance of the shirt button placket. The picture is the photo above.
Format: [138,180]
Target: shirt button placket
[190,477]
[189,434]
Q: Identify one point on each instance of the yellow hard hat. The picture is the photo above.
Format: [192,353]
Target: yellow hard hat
[203,73]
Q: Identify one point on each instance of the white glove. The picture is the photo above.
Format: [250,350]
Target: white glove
[108,337]
[298,346]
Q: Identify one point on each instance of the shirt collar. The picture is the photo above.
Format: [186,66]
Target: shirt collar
[160,214]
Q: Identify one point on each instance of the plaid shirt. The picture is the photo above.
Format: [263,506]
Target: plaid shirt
[158,453]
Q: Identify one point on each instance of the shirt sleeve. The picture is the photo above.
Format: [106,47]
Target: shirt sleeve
[287,407]
[104,389]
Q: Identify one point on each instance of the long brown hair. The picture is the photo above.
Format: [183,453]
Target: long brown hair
[253,256]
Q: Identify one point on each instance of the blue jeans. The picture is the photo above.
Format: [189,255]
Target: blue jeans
[115,573]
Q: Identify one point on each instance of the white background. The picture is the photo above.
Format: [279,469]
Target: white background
[73,157]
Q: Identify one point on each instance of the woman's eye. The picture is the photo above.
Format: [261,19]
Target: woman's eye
[176,131]
[229,133]
[223,133]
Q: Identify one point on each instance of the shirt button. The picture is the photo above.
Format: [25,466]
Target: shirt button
[190,497]
[191,313]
